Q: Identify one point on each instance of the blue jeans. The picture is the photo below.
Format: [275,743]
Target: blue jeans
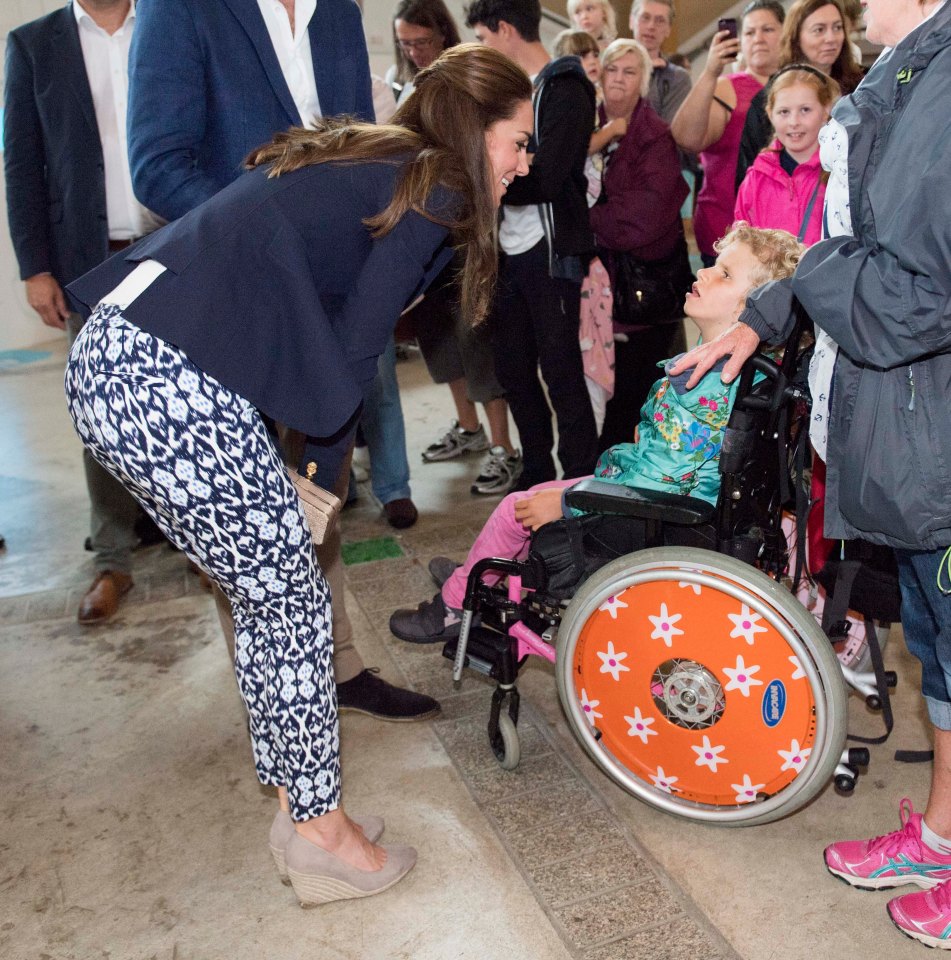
[926,621]
[383,428]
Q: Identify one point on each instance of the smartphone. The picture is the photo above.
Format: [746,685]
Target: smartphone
[728,24]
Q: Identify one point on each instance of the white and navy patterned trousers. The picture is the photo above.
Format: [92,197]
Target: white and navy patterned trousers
[200,460]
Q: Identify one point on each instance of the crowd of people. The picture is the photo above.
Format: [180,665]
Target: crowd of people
[534,200]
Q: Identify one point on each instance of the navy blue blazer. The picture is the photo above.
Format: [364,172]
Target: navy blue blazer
[206,88]
[276,288]
[56,188]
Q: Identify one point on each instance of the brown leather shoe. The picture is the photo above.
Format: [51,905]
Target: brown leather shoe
[400,513]
[102,598]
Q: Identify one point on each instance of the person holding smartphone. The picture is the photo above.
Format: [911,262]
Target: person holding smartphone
[710,121]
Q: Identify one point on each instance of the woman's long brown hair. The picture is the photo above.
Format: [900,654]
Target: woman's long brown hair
[441,127]
[845,71]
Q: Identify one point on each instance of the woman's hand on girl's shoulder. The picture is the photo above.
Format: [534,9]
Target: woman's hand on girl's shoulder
[738,342]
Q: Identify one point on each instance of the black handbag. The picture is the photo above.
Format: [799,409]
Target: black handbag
[648,292]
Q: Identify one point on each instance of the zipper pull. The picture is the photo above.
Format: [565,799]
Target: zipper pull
[911,383]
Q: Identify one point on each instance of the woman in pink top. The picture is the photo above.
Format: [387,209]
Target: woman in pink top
[710,121]
[785,187]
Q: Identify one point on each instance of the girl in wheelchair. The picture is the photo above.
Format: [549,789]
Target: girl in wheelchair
[676,445]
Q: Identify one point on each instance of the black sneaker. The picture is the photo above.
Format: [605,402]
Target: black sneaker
[431,622]
[367,693]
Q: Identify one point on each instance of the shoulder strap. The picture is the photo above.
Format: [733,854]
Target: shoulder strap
[723,104]
[804,226]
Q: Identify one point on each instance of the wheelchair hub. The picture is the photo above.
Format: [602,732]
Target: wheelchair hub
[688,694]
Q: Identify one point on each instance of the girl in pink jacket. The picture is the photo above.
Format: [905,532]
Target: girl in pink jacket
[785,187]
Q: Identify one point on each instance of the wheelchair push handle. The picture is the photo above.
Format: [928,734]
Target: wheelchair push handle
[779,374]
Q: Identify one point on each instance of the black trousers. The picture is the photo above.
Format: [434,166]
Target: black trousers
[635,370]
[535,324]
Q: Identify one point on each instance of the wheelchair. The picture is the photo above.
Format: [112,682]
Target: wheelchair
[685,666]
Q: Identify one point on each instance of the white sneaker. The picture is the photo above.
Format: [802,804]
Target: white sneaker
[456,442]
[499,471]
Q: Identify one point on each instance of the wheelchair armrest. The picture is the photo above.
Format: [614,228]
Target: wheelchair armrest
[596,496]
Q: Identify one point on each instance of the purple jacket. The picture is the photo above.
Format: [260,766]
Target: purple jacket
[643,190]
[771,198]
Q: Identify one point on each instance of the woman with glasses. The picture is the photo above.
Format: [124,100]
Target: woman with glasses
[422,29]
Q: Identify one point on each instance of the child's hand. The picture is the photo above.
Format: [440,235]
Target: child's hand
[637,434]
[539,508]
[618,127]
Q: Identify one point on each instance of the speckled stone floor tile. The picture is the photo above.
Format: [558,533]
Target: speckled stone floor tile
[678,939]
[535,773]
[405,588]
[604,868]
[603,917]
[565,838]
[523,812]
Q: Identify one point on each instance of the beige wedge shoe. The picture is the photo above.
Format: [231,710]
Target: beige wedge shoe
[282,829]
[319,877]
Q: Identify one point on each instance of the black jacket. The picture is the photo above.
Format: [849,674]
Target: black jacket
[564,120]
[757,133]
[56,187]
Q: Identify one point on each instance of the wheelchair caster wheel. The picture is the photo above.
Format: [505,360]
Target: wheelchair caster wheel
[859,756]
[844,783]
[505,744]
[873,702]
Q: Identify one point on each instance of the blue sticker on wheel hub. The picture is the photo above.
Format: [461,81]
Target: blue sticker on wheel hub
[774,703]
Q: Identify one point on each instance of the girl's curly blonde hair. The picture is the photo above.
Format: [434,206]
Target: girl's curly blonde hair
[777,251]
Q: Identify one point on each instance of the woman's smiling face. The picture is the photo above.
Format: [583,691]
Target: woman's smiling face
[506,145]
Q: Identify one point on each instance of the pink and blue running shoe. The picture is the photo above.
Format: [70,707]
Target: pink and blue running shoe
[893,860]
[925,915]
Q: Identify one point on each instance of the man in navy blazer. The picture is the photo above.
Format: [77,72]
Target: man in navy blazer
[58,174]
[207,86]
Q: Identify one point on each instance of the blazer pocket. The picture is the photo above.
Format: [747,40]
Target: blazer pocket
[55,211]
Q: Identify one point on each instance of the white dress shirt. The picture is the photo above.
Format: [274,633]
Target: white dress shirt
[293,53]
[107,69]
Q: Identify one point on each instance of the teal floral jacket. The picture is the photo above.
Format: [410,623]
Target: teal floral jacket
[679,439]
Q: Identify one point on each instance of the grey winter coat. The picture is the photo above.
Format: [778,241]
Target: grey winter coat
[884,296]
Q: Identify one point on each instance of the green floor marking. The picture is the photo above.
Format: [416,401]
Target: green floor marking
[363,551]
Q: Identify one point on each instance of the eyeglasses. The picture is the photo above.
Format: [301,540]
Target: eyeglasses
[423,43]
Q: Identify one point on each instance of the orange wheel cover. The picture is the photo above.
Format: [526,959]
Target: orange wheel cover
[760,741]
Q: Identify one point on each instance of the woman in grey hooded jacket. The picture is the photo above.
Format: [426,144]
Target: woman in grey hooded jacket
[879,287]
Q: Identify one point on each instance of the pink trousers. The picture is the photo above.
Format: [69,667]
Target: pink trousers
[502,536]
